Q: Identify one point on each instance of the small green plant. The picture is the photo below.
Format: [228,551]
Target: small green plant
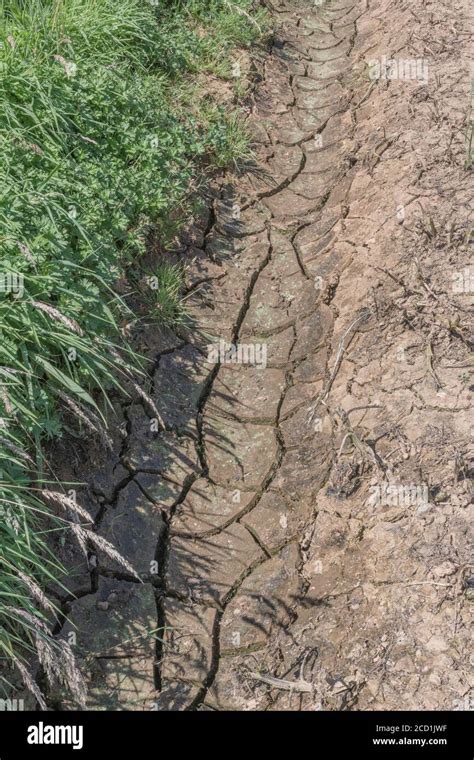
[228,139]
[161,291]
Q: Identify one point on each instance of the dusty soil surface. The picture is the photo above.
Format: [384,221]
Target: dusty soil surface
[300,511]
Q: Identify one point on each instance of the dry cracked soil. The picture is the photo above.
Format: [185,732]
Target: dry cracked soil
[297,500]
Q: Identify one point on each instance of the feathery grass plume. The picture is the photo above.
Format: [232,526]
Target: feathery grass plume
[148,401]
[71,324]
[16,450]
[9,408]
[29,682]
[139,390]
[59,664]
[81,537]
[90,420]
[26,253]
[48,659]
[67,504]
[78,412]
[101,543]
[70,675]
[36,592]
[39,626]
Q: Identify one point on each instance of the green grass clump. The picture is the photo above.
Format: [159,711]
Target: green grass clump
[97,144]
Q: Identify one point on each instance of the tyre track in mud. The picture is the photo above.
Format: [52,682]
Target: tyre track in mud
[198,698]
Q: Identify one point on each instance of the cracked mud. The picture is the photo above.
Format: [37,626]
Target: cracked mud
[275,572]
